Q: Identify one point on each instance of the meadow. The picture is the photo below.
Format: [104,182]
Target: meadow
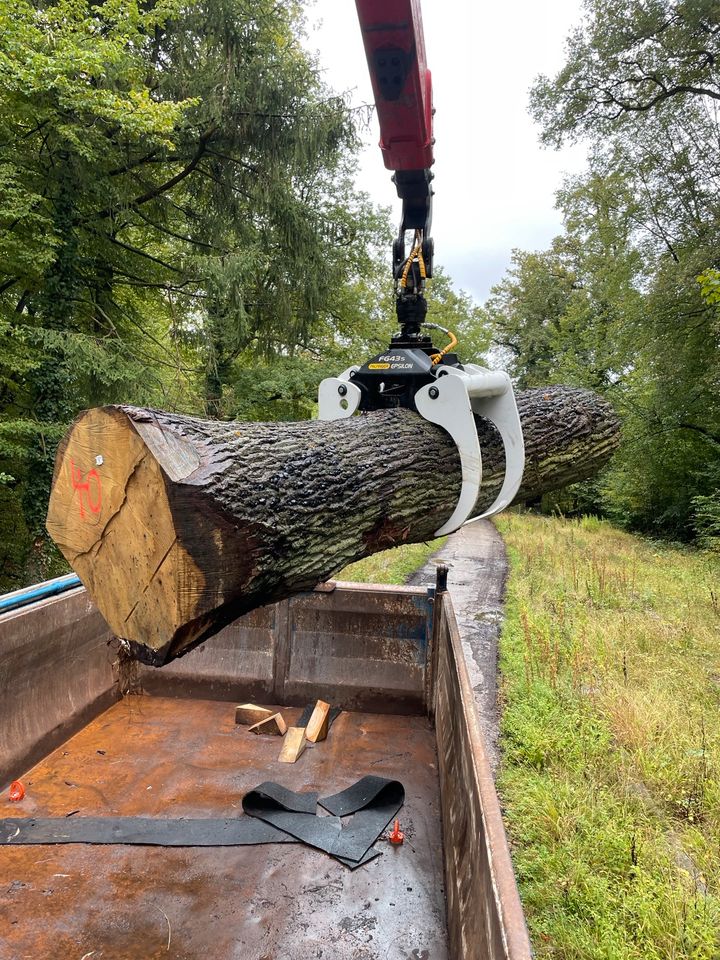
[610,770]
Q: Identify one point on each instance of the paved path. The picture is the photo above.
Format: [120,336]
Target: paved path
[478,569]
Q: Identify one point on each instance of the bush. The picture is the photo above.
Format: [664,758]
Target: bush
[706,520]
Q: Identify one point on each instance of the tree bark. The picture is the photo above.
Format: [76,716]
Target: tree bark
[178,525]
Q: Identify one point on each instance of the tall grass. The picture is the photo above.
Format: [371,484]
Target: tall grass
[610,778]
[391,566]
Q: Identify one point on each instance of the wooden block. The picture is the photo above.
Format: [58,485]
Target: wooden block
[293,745]
[250,713]
[317,728]
[273,726]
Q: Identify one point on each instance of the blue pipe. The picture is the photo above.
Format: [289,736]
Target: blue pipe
[39,592]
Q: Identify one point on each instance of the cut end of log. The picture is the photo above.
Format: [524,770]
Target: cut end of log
[120,515]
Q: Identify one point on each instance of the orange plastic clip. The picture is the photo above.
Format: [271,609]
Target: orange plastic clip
[397,836]
[17,791]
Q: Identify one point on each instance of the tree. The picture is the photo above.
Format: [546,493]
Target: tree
[174,195]
[641,86]
[526,309]
[630,57]
[562,315]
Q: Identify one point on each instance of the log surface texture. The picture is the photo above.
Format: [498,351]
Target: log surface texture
[178,525]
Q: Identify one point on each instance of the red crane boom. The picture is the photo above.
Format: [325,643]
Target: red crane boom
[395,48]
[402,86]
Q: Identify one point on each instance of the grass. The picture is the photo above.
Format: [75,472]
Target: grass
[391,566]
[610,779]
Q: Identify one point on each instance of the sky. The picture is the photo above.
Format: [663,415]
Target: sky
[494,183]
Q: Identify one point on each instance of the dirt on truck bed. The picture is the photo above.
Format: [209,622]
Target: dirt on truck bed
[110,739]
[162,757]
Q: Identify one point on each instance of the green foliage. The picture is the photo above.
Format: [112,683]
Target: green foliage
[624,302]
[707,520]
[611,758]
[168,173]
[391,566]
[178,228]
[585,499]
[564,315]
[710,286]
[629,57]
[706,514]
[283,386]
[456,311]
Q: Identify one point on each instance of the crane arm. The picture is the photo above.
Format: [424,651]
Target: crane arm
[412,373]
[394,43]
[392,34]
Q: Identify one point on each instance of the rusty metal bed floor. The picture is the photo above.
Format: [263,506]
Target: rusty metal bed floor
[153,756]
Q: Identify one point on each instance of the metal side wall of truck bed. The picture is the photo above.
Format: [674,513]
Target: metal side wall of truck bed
[58,669]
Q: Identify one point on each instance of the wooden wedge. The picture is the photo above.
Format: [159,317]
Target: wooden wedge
[251,713]
[317,728]
[293,745]
[273,726]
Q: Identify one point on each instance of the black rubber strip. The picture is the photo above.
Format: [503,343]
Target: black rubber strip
[373,803]
[285,799]
[143,831]
[276,815]
[368,791]
[373,800]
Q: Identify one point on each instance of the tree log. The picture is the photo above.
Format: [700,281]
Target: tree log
[178,525]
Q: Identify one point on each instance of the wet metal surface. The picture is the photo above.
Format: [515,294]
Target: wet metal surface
[478,566]
[361,648]
[485,916]
[44,695]
[167,757]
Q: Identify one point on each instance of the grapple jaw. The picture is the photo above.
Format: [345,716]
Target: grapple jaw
[452,403]
[448,394]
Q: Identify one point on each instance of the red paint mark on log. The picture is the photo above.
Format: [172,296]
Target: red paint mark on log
[83,487]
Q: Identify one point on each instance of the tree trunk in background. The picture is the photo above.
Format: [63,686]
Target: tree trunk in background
[177,525]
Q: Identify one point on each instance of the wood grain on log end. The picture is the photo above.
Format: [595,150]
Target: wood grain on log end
[114,514]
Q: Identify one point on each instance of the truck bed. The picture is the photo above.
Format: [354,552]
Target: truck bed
[92,733]
[166,757]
